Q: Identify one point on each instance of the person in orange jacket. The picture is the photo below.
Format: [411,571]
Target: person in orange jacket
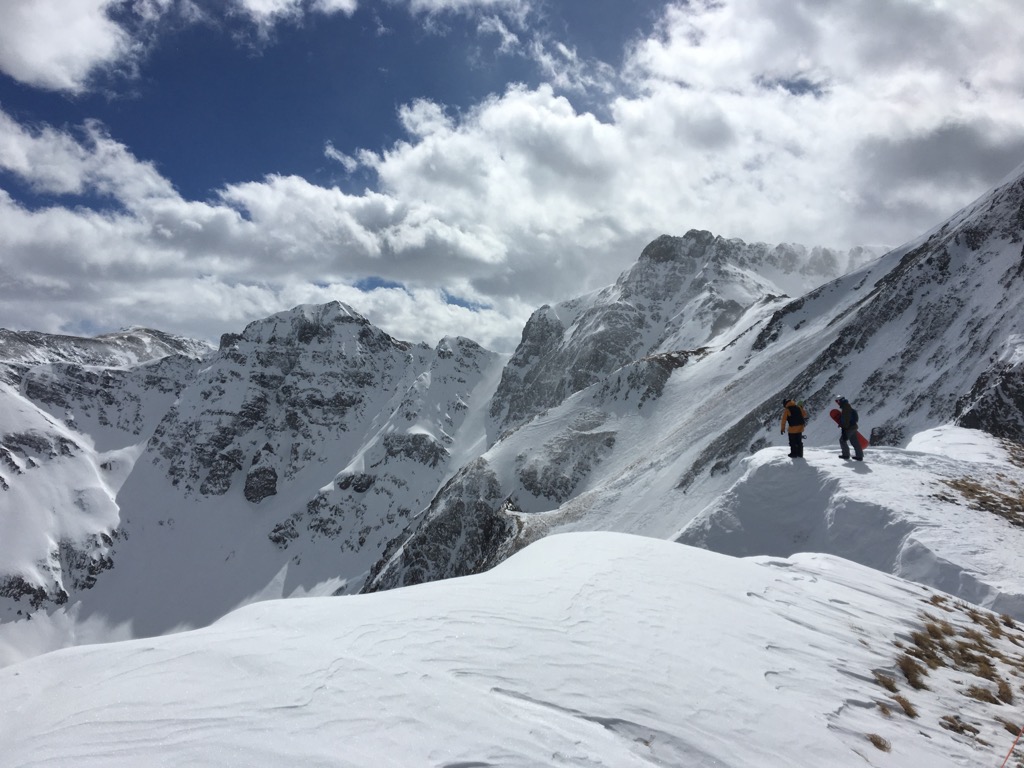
[794,417]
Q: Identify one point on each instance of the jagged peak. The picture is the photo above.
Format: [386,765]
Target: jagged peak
[302,324]
[666,248]
[450,345]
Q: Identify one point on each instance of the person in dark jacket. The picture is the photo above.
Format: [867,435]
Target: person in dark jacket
[848,430]
[794,417]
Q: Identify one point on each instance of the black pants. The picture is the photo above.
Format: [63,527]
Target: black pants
[848,437]
[796,444]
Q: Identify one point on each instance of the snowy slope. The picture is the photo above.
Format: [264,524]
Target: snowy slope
[585,649]
[74,416]
[683,293]
[946,512]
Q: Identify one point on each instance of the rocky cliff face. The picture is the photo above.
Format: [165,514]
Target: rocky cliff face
[275,398]
[400,465]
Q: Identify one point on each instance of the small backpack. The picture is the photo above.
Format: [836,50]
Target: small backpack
[795,418]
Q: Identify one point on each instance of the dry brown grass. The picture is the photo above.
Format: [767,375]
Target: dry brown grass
[940,601]
[913,671]
[1015,452]
[885,681]
[938,629]
[1010,726]
[973,645]
[926,649]
[955,724]
[1008,505]
[1004,692]
[880,742]
[981,693]
[908,709]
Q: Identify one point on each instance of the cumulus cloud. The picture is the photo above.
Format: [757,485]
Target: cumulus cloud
[814,95]
[60,45]
[56,45]
[772,120]
[55,162]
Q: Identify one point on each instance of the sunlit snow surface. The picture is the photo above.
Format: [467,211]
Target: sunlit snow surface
[593,649]
[895,512]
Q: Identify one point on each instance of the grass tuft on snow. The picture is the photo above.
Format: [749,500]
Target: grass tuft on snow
[972,647]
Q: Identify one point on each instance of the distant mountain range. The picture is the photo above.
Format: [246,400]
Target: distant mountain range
[150,483]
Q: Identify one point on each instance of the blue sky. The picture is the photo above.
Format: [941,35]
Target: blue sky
[447,166]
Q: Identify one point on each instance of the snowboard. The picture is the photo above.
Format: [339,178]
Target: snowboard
[861,440]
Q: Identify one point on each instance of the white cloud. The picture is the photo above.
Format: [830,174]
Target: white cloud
[347,7]
[422,118]
[519,8]
[494,25]
[349,163]
[776,121]
[267,13]
[60,45]
[563,68]
[55,162]
[55,44]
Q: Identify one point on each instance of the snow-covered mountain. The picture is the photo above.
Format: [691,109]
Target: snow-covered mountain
[630,409]
[682,294]
[286,460]
[72,411]
[280,463]
[153,485]
[585,649]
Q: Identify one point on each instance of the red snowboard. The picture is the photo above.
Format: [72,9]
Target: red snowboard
[834,413]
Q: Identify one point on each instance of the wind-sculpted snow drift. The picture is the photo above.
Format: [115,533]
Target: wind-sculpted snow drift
[314,454]
[590,649]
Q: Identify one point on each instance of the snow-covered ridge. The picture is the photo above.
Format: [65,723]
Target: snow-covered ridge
[930,513]
[683,293]
[591,649]
[113,350]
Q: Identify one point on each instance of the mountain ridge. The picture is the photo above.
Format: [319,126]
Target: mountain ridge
[313,454]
